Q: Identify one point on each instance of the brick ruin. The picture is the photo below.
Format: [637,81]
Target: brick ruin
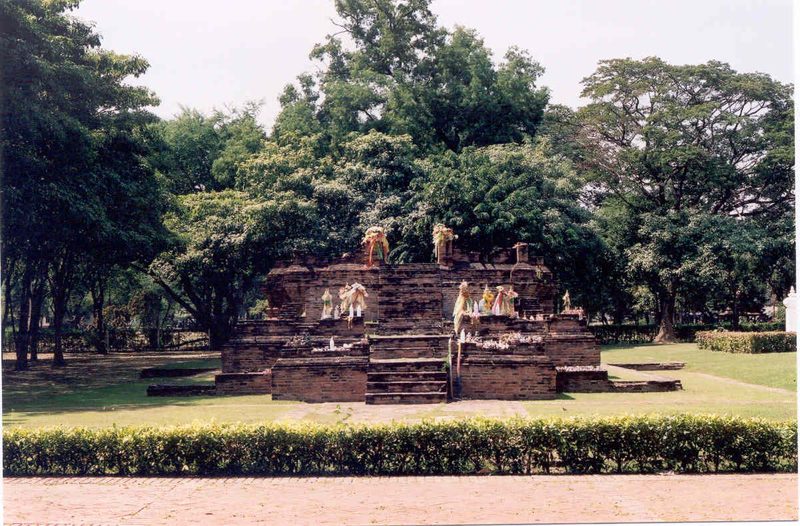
[403,349]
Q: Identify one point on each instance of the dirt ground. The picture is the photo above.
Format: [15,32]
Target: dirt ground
[401,500]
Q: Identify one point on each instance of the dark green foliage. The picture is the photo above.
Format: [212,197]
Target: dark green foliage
[747,342]
[78,197]
[402,74]
[607,334]
[642,444]
[694,159]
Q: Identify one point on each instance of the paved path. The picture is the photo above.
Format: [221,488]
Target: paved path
[401,500]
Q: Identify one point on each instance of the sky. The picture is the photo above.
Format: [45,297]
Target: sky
[208,55]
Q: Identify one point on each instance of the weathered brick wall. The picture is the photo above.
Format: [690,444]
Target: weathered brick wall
[244,383]
[583,381]
[507,377]
[335,379]
[572,349]
[409,294]
[250,354]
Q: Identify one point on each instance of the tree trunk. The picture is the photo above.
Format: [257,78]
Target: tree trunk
[735,312]
[217,335]
[8,269]
[37,299]
[666,328]
[98,293]
[59,308]
[59,291]
[22,339]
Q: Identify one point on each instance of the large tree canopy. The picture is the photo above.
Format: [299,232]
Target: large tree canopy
[221,243]
[76,190]
[678,145]
[400,73]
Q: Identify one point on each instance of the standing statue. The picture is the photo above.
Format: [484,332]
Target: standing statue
[353,301]
[344,297]
[358,297]
[441,236]
[377,245]
[485,305]
[510,302]
[499,300]
[464,306]
[790,302]
[327,305]
[567,302]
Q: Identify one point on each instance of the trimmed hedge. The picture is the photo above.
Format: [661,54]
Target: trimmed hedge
[747,342]
[635,334]
[690,443]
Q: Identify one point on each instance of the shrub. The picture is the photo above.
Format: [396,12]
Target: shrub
[747,342]
[641,444]
[636,334]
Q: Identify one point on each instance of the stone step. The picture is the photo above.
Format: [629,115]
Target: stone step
[406,398]
[407,352]
[407,386]
[400,376]
[396,340]
[406,365]
[407,345]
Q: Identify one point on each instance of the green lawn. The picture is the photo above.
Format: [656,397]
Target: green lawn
[774,369]
[111,393]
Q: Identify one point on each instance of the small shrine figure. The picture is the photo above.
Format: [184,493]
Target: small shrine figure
[344,296]
[442,236]
[567,302]
[356,302]
[485,305]
[464,306]
[499,300]
[327,305]
[510,302]
[376,243]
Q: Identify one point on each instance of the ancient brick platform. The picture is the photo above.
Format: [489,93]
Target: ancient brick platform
[403,349]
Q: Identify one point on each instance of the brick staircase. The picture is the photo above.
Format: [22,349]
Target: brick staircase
[407,369]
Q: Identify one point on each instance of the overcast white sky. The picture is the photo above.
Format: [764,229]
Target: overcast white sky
[207,54]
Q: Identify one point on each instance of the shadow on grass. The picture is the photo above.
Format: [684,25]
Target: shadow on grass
[101,384]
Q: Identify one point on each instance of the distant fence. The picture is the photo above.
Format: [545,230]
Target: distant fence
[80,340]
[634,334]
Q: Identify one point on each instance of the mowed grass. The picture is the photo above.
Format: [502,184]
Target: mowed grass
[771,369]
[720,383]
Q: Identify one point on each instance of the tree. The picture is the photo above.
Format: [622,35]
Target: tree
[74,182]
[399,73]
[678,145]
[222,241]
[464,99]
[184,150]
[497,195]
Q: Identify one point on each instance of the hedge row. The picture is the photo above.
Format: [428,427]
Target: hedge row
[634,334]
[618,445]
[747,342]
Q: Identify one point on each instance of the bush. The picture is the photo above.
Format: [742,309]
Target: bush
[637,334]
[747,342]
[621,445]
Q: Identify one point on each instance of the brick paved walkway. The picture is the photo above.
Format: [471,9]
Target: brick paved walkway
[408,500]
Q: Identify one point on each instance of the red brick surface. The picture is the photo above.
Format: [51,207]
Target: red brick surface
[407,500]
[320,379]
[244,383]
[508,378]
